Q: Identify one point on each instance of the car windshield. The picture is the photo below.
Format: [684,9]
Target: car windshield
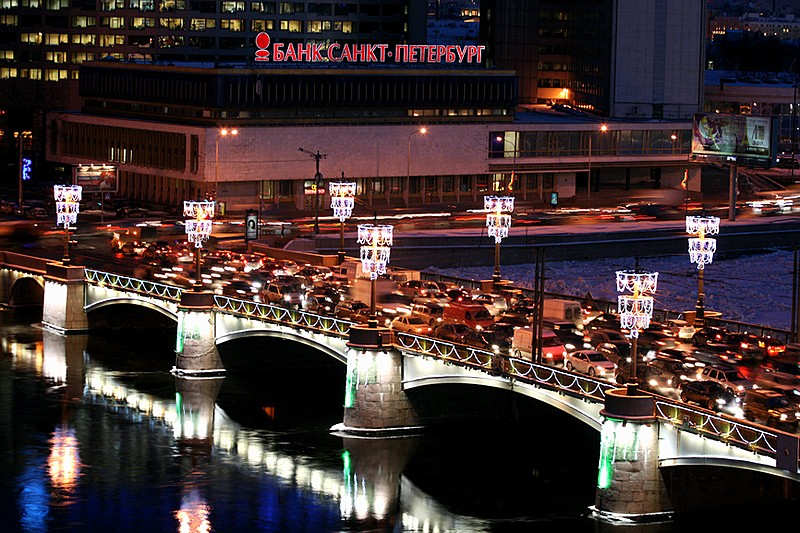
[461,328]
[596,357]
[414,320]
[551,341]
[777,401]
[734,375]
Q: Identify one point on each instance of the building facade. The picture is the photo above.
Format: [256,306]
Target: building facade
[160,127]
[622,58]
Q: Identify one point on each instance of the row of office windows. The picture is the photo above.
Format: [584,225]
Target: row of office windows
[155,149]
[339,9]
[53,57]
[577,143]
[38,74]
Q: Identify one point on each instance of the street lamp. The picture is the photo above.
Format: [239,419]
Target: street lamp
[513,141]
[498,222]
[224,132]
[316,187]
[635,311]
[342,202]
[199,217]
[603,129]
[68,198]
[422,131]
[701,251]
[376,243]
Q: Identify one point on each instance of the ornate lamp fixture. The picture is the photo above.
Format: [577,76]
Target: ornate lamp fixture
[199,216]
[342,202]
[376,243]
[68,198]
[498,222]
[635,310]
[701,252]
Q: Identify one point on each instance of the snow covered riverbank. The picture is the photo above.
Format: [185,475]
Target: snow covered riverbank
[755,288]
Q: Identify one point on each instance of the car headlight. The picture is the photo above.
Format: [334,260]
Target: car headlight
[601,370]
[721,402]
[569,346]
[784,416]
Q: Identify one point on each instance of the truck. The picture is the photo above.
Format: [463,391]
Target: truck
[523,347]
[560,309]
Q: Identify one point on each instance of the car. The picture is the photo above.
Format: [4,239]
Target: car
[679,328]
[606,321]
[572,338]
[494,303]
[712,396]
[617,351]
[281,293]
[788,365]
[482,341]
[421,290]
[411,324]
[430,312]
[771,407]
[131,212]
[727,376]
[364,316]
[347,308]
[776,380]
[320,303]
[458,295]
[597,336]
[589,362]
[239,288]
[452,331]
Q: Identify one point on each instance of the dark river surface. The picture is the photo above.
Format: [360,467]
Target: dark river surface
[97,435]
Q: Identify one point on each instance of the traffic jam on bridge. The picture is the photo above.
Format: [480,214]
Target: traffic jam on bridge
[734,373]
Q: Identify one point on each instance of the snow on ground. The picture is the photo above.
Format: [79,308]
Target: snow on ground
[756,288]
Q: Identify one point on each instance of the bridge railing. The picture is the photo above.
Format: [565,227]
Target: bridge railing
[282,315]
[139,286]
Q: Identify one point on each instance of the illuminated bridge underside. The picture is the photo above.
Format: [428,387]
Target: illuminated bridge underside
[98,297]
[420,371]
[229,327]
[676,446]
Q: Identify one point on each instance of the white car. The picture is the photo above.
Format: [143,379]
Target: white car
[411,324]
[590,362]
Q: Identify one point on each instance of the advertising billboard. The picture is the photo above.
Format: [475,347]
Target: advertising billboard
[95,178]
[743,140]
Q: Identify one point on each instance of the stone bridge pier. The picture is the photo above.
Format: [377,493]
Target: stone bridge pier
[629,482]
[375,402]
[196,348]
[64,297]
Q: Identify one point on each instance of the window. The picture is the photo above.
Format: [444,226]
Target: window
[9,20]
[232,24]
[84,22]
[292,26]
[263,7]
[232,7]
[112,22]
[140,23]
[202,24]
[54,39]
[290,8]
[112,40]
[55,57]
[55,74]
[317,26]
[261,25]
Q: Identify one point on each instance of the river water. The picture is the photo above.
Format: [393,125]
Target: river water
[97,435]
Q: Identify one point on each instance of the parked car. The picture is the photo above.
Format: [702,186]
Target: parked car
[770,407]
[727,376]
[589,362]
[411,324]
[451,331]
[712,396]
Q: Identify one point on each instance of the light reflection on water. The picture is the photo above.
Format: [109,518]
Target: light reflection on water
[122,446]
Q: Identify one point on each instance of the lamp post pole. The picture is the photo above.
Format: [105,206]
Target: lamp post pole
[701,251]
[603,129]
[317,182]
[422,131]
[224,132]
[342,202]
[513,142]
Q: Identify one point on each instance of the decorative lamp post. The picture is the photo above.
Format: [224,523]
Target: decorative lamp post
[68,198]
[498,222]
[376,244]
[199,217]
[635,310]
[701,251]
[342,202]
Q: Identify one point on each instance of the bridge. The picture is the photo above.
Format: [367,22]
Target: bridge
[640,434]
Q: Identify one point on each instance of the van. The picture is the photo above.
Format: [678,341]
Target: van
[475,316]
[558,309]
[553,351]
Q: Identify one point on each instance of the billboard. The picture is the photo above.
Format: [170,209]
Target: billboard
[95,178]
[744,140]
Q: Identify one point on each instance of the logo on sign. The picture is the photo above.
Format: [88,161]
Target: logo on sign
[365,53]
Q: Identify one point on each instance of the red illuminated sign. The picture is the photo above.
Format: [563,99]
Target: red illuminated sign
[365,53]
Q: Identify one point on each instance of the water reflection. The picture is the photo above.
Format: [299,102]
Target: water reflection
[163,453]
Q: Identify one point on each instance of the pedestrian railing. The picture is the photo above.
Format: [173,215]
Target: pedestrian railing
[283,315]
[140,286]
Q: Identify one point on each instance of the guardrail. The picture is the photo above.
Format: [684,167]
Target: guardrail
[283,315]
[139,286]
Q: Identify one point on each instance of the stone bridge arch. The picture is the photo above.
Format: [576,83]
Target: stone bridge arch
[140,302]
[299,336]
[26,291]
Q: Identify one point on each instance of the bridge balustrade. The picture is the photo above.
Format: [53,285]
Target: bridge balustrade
[283,315]
[139,286]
